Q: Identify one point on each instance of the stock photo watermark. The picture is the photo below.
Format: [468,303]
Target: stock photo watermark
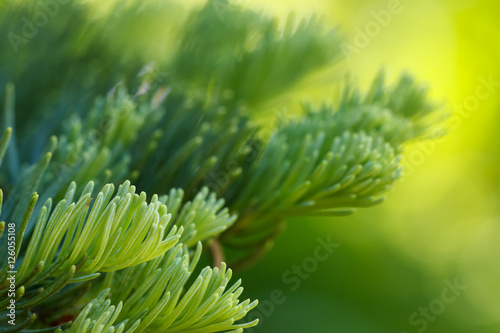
[11,273]
[218,180]
[152,80]
[44,11]
[152,87]
[484,90]
[225,7]
[93,136]
[364,35]
[425,315]
[293,278]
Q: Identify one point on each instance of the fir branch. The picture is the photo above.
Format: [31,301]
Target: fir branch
[4,142]
[248,57]
[186,128]
[155,301]
[329,161]
[201,218]
[119,231]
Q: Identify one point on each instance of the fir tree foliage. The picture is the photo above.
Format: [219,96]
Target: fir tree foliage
[118,167]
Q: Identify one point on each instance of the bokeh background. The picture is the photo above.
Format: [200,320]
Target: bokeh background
[442,222]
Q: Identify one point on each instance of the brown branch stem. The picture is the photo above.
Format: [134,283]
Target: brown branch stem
[218,255]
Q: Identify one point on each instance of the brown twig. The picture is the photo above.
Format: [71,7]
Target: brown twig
[217,251]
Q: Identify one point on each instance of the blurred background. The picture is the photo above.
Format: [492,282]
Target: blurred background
[427,260]
[441,223]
